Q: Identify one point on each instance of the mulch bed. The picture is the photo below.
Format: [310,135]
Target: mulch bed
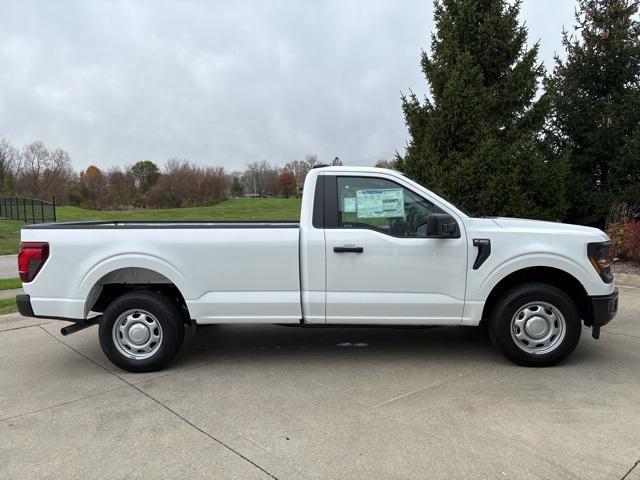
[622,266]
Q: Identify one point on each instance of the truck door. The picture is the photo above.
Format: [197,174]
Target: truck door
[378,267]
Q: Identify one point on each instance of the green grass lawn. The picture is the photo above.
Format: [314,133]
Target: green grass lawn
[10,283]
[234,209]
[9,236]
[8,305]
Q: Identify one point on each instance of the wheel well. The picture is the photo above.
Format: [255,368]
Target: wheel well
[551,276]
[124,280]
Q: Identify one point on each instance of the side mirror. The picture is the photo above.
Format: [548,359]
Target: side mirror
[439,225]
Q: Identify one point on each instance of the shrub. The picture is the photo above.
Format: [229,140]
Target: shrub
[625,240]
[616,233]
[187,185]
[623,227]
[632,241]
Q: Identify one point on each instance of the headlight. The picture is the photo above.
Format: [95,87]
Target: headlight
[599,257]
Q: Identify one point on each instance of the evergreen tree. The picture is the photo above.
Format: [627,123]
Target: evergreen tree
[477,137]
[236,187]
[145,173]
[596,108]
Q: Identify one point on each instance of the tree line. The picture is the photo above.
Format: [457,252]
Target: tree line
[39,172]
[501,136]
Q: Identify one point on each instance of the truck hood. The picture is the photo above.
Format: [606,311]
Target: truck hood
[539,226]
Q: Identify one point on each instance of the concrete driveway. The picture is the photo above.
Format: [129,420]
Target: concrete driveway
[279,402]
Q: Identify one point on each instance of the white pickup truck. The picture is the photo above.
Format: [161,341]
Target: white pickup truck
[372,248]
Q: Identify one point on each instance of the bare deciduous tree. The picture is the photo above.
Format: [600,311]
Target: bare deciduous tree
[386,164]
[43,172]
[183,185]
[300,168]
[260,178]
[9,160]
[34,160]
[121,189]
[58,170]
[311,159]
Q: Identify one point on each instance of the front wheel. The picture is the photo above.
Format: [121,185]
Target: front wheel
[535,325]
[141,331]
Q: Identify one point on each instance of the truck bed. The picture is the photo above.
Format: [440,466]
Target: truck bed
[225,271]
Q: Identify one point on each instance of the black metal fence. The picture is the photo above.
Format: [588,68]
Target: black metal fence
[28,210]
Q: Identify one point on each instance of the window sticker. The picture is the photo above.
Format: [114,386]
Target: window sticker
[349,205]
[380,203]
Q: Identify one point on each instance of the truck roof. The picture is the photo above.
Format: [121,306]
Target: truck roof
[344,168]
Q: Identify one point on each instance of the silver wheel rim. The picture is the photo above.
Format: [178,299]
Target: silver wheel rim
[137,334]
[538,328]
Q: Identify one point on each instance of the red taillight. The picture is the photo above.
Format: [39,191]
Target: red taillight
[31,258]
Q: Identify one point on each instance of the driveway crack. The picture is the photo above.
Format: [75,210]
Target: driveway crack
[437,383]
[68,402]
[169,409]
[22,327]
[631,470]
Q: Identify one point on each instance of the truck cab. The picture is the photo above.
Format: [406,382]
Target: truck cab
[375,249]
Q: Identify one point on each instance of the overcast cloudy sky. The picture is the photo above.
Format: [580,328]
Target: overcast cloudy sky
[221,83]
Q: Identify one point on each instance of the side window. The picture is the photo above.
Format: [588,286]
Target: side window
[383,205]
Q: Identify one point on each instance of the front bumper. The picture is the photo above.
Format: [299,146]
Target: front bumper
[604,308]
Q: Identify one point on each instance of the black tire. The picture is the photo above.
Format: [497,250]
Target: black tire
[159,312]
[525,301]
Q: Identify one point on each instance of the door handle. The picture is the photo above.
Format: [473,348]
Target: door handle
[348,249]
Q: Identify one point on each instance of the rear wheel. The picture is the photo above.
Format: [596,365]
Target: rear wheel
[535,324]
[141,331]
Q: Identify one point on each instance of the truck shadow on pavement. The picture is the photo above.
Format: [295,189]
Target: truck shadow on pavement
[273,344]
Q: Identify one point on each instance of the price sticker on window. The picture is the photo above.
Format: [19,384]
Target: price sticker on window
[380,203]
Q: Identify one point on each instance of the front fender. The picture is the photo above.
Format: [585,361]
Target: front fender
[589,279]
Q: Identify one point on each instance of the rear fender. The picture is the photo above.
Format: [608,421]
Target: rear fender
[89,283]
